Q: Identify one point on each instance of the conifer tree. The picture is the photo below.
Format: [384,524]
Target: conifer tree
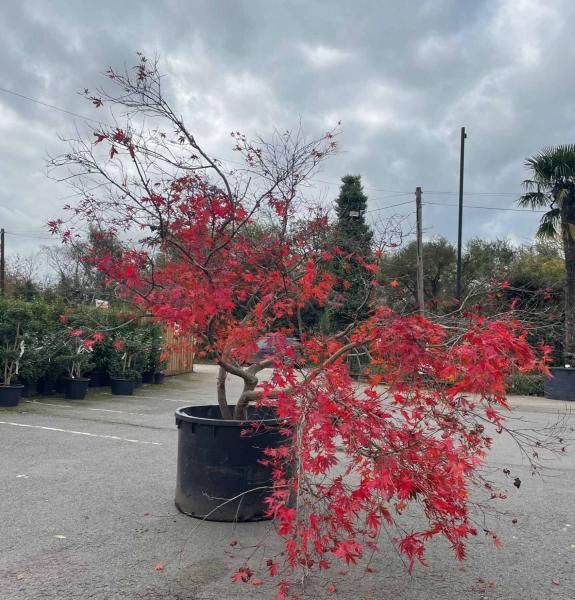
[352,235]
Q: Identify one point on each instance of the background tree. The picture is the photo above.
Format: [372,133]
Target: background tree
[351,235]
[484,261]
[552,186]
[438,274]
[76,278]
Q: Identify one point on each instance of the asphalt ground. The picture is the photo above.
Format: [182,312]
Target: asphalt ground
[86,511]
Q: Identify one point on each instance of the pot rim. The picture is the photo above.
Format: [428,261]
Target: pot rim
[12,385]
[182,416]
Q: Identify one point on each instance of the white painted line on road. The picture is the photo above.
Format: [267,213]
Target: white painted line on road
[97,435]
[121,412]
[135,397]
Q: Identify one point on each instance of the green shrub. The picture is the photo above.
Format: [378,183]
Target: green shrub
[526,384]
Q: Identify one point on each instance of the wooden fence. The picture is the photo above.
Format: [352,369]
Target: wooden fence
[180,349]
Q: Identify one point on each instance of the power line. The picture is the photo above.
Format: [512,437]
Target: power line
[33,236]
[488,207]
[390,205]
[375,189]
[52,106]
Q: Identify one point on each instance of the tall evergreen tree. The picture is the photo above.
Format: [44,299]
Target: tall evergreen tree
[352,235]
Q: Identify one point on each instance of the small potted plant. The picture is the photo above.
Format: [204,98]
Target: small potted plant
[32,366]
[157,356]
[121,364]
[12,348]
[101,352]
[77,358]
[160,366]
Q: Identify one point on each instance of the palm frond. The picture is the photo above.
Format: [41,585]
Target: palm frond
[553,164]
[535,200]
[549,226]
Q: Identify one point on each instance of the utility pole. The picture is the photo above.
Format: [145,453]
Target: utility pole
[420,297]
[2,263]
[459,231]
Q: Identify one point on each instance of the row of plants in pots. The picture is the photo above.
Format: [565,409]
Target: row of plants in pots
[46,349]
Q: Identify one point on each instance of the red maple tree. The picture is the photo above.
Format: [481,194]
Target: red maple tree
[235,255]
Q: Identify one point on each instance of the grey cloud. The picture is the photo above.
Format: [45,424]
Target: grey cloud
[402,76]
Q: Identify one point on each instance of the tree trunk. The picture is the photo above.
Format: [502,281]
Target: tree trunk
[569,248]
[222,399]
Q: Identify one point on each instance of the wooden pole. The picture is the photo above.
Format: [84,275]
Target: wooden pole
[2,263]
[420,294]
[460,223]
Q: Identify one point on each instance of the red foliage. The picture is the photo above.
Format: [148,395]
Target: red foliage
[359,456]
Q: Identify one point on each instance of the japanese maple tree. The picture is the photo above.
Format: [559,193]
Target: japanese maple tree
[234,254]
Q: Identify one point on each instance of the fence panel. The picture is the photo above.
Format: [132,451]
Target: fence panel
[180,349]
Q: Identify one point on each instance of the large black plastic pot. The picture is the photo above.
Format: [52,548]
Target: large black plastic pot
[122,387]
[159,378]
[148,377]
[76,388]
[99,378]
[46,387]
[29,389]
[562,385]
[219,476]
[10,395]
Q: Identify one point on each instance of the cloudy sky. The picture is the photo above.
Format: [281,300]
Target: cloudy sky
[402,76]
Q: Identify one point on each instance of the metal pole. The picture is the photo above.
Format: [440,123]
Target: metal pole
[420,297]
[2,263]
[460,227]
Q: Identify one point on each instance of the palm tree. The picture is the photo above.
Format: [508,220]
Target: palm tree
[552,186]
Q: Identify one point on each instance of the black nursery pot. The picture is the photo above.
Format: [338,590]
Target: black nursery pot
[219,476]
[562,385]
[99,378]
[75,389]
[138,381]
[148,377]
[10,395]
[46,387]
[30,388]
[159,378]
[121,386]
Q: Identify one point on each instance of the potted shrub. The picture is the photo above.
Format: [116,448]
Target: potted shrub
[32,365]
[156,359]
[230,261]
[76,357]
[13,319]
[121,364]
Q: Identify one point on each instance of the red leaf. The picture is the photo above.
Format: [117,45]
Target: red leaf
[159,568]
[556,582]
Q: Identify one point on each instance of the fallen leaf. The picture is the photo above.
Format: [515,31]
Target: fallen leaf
[19,577]
[331,588]
[517,482]
[514,521]
[256,582]
[159,568]
[60,537]
[555,582]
